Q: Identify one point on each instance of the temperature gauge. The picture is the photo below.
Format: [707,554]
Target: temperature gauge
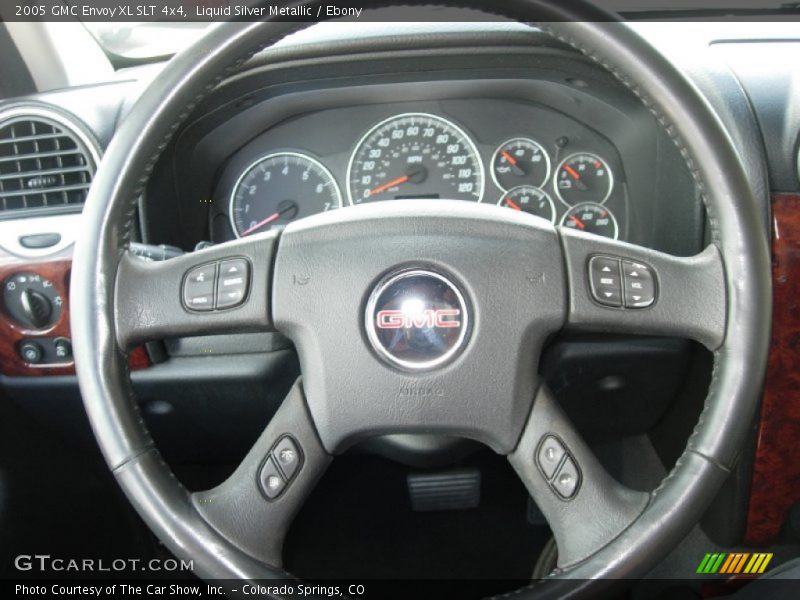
[529,199]
[583,177]
[520,161]
[591,218]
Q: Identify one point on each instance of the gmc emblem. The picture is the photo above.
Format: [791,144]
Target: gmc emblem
[416,319]
[397,319]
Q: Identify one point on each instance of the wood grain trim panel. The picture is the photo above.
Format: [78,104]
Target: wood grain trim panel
[56,269]
[776,474]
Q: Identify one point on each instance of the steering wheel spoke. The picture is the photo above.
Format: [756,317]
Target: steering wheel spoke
[624,288]
[255,506]
[222,289]
[585,507]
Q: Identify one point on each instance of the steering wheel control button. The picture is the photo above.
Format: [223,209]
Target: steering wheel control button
[198,288]
[233,282]
[620,282]
[272,481]
[558,467]
[567,479]
[417,320]
[281,467]
[31,353]
[217,286]
[287,456]
[639,284]
[551,452]
[605,280]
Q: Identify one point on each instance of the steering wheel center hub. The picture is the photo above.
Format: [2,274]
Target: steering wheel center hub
[417,319]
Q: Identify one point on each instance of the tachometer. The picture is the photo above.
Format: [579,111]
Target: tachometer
[279,188]
[415,156]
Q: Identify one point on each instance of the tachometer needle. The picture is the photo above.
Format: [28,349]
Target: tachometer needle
[511,204]
[578,222]
[388,184]
[273,217]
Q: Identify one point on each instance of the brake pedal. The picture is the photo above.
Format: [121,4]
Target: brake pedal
[455,489]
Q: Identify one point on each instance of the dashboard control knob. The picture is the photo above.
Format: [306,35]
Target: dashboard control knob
[31,352]
[36,307]
[31,300]
[63,348]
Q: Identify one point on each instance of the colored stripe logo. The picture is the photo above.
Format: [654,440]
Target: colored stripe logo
[734,563]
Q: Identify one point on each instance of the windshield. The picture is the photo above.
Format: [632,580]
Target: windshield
[127,41]
[142,40]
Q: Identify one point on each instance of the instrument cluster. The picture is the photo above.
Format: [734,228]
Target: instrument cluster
[423,155]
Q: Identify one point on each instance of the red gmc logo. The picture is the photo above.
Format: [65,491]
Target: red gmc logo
[397,319]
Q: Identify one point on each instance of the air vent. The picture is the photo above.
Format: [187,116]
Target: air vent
[45,161]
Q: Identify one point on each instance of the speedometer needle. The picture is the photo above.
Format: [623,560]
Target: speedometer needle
[273,217]
[414,174]
[388,184]
[511,204]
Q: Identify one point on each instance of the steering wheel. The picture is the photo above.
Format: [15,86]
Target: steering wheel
[423,329]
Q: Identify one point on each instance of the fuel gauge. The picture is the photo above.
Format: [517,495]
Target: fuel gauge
[529,199]
[591,218]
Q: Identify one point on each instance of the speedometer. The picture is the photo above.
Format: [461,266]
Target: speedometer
[415,156]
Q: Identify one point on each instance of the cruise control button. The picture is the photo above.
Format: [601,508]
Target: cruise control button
[198,288]
[567,479]
[605,280]
[550,454]
[272,482]
[639,284]
[287,456]
[234,279]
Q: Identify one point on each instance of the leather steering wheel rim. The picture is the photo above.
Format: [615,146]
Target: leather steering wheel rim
[736,234]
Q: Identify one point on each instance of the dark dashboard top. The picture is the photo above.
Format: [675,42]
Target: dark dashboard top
[320,91]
